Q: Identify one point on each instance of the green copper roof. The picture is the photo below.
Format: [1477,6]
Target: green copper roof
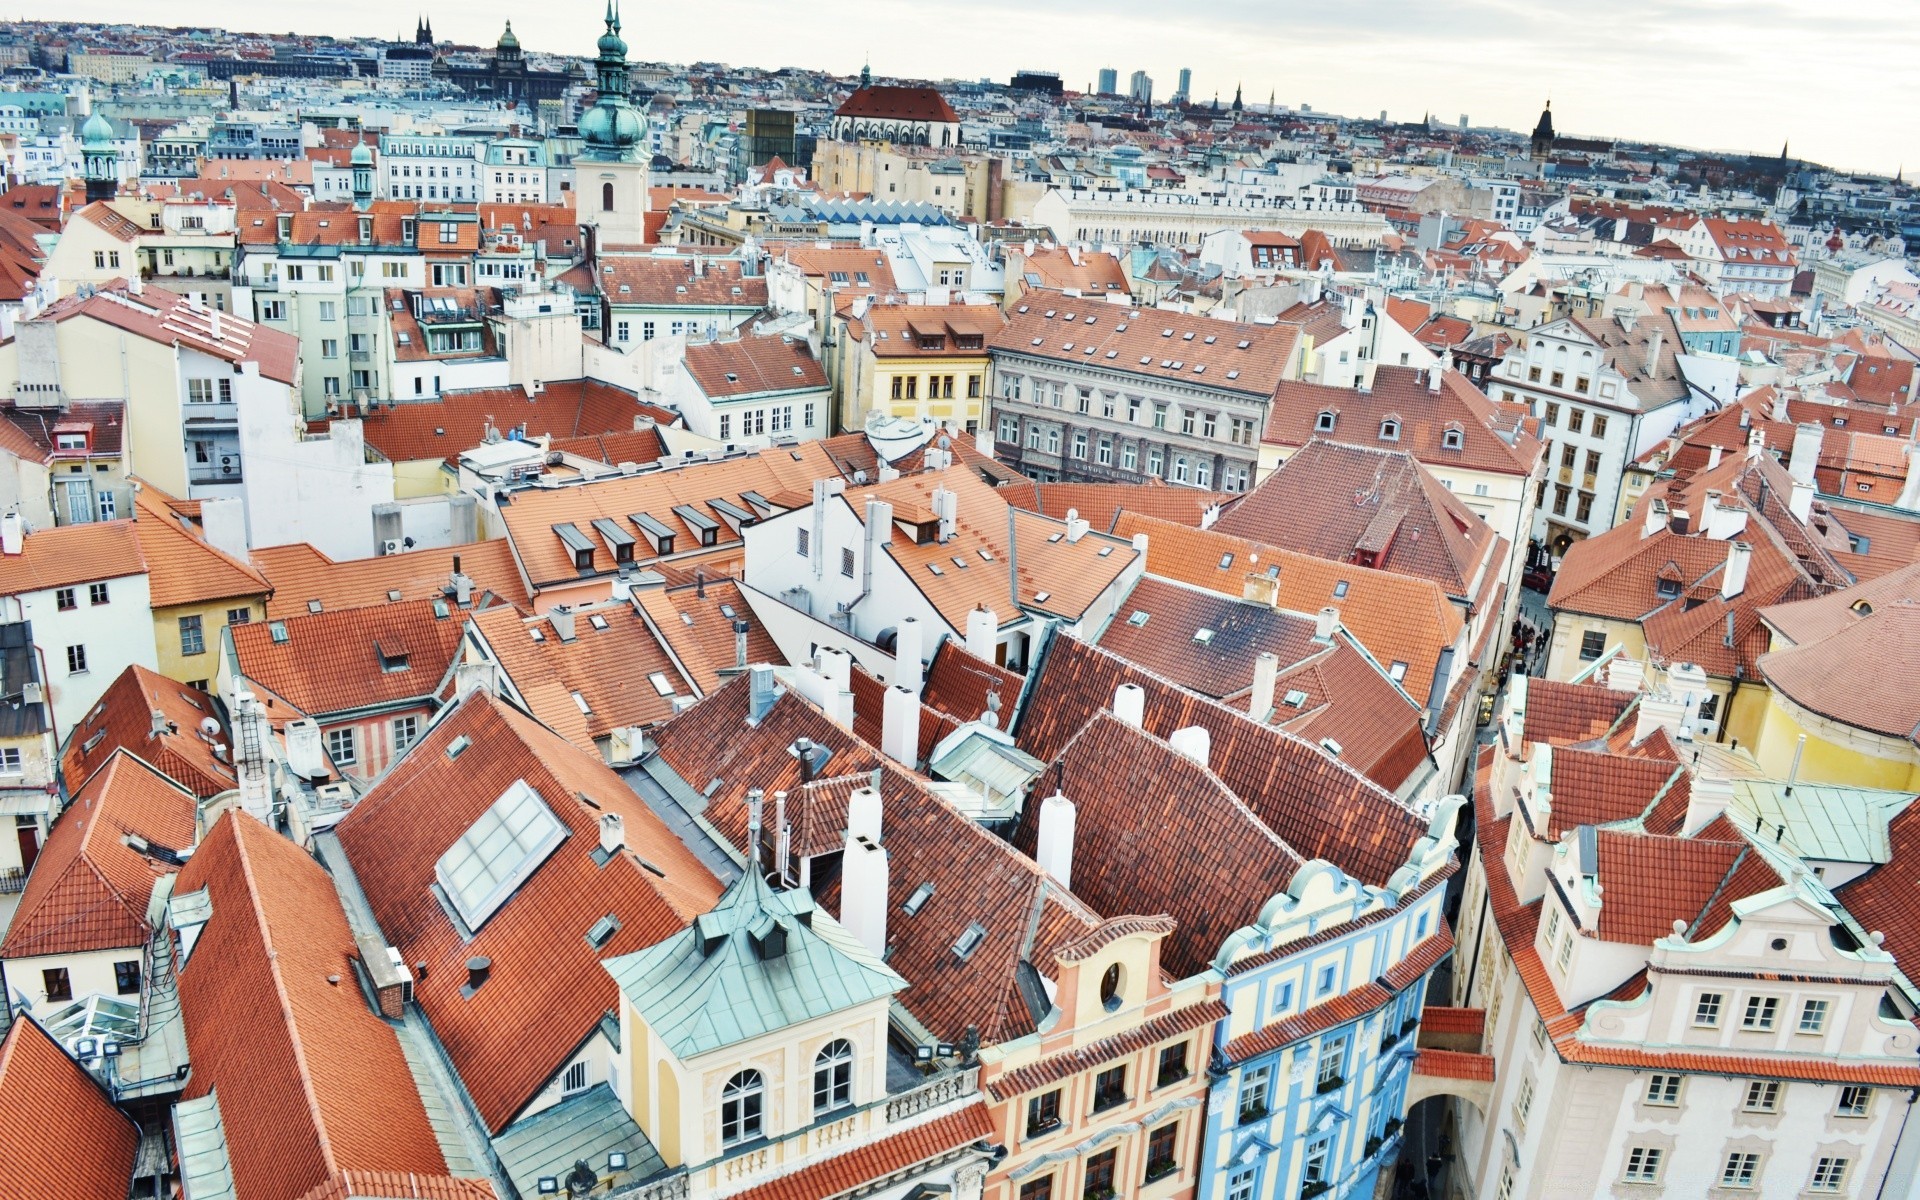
[761,961]
[1819,820]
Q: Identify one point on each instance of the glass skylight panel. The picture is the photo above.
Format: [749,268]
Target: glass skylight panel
[660,683]
[497,853]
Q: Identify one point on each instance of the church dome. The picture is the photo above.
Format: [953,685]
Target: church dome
[608,126]
[611,45]
[361,156]
[98,131]
[507,40]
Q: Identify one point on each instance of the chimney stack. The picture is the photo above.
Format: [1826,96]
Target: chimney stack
[13,534]
[1733,580]
[1266,670]
[760,677]
[900,726]
[1434,374]
[1192,742]
[1055,849]
[983,631]
[1076,528]
[1800,500]
[1805,457]
[613,833]
[1130,704]
[562,619]
[478,968]
[1325,623]
[864,873]
[907,651]
[1625,674]
[740,629]
[1655,519]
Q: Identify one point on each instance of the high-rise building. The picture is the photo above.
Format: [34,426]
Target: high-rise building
[1140,88]
[1184,92]
[1109,81]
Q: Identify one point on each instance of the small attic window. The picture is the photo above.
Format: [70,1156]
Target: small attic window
[393,596]
[1203,636]
[313,606]
[969,941]
[536,634]
[603,931]
[586,710]
[1324,422]
[1140,617]
[1294,698]
[1397,672]
[1669,588]
[277,630]
[1389,430]
[458,746]
[1226,560]
[1233,374]
[918,900]
[1340,589]
[597,621]
[660,683]
[1042,597]
[1863,608]
[1452,439]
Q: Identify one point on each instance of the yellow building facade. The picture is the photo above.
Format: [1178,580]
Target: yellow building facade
[916,361]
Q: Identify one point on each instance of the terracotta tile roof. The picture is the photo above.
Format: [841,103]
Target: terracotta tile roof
[818,262]
[961,685]
[1135,799]
[60,1134]
[869,717]
[28,433]
[1096,274]
[1147,1034]
[346,659]
[663,281]
[310,1080]
[898,102]
[125,718]
[1245,359]
[1425,418]
[695,621]
[458,421]
[974,876]
[545,560]
[1349,1006]
[89,889]
[1435,1018]
[1100,504]
[1844,675]
[409,339]
[608,669]
[300,574]
[1650,882]
[182,568]
[1805,621]
[1396,617]
[1318,806]
[1884,380]
[850,1172]
[546,980]
[1596,788]
[852,453]
[66,555]
[637,446]
[899,330]
[1886,898]
[753,366]
[1570,713]
[1055,575]
[396,1185]
[172,320]
[1454,1064]
[1371,507]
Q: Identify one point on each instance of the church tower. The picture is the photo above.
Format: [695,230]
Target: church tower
[423,31]
[99,159]
[611,168]
[1541,148]
[361,161]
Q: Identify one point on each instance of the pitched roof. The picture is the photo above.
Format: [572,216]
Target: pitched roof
[1320,806]
[1100,504]
[1571,713]
[695,621]
[1844,676]
[60,1134]
[1396,617]
[310,1081]
[1488,439]
[458,421]
[898,102]
[174,320]
[89,888]
[965,687]
[182,567]
[1198,352]
[66,555]
[1376,508]
[1805,621]
[350,658]
[31,433]
[673,281]
[595,682]
[878,1160]
[156,718]
[925,330]
[1096,273]
[546,980]
[753,366]
[301,574]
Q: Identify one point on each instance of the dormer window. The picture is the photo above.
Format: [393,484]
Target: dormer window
[1453,439]
[1324,422]
[1390,430]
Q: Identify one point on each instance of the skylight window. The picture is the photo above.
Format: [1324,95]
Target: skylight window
[313,606]
[581,702]
[498,853]
[277,630]
[1042,597]
[661,683]
[1203,635]
[1294,698]
[1397,672]
[918,900]
[1139,617]
[597,621]
[1226,560]
[969,941]
[1340,589]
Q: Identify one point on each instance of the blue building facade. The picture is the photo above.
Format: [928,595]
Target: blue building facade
[1324,991]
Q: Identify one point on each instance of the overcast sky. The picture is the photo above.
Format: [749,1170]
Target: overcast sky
[1835,80]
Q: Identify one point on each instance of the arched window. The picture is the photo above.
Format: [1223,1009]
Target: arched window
[1110,988]
[742,1103]
[833,1077]
[606,197]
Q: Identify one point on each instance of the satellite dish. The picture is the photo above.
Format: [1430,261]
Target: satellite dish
[209,726]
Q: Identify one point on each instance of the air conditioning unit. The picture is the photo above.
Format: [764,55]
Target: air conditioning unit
[390,546]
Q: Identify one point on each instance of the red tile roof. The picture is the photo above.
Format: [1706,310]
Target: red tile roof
[300,574]
[182,568]
[674,281]
[1489,439]
[609,669]
[1349,1006]
[89,889]
[66,555]
[335,661]
[396,1185]
[1100,504]
[898,102]
[310,1080]
[161,316]
[60,1134]
[1454,1064]
[1571,713]
[939,1138]
[1844,676]
[1436,1018]
[1198,352]
[458,421]
[753,366]
[965,687]
[546,981]
[1080,1059]
[124,718]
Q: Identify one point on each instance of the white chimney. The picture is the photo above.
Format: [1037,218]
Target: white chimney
[864,874]
[305,757]
[1192,742]
[1756,443]
[1130,704]
[983,631]
[836,667]
[1800,500]
[1325,623]
[906,655]
[1625,674]
[1076,528]
[1724,521]
[946,506]
[1266,669]
[1658,712]
[562,618]
[1713,457]
[1055,849]
[1434,374]
[613,833]
[1909,498]
[1707,799]
[1687,683]
[13,534]
[1733,580]
[1805,457]
[983,440]
[1655,519]
[900,726]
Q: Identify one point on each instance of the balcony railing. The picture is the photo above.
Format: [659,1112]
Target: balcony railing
[13,881]
[935,1092]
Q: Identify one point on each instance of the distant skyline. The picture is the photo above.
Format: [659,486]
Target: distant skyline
[1730,75]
